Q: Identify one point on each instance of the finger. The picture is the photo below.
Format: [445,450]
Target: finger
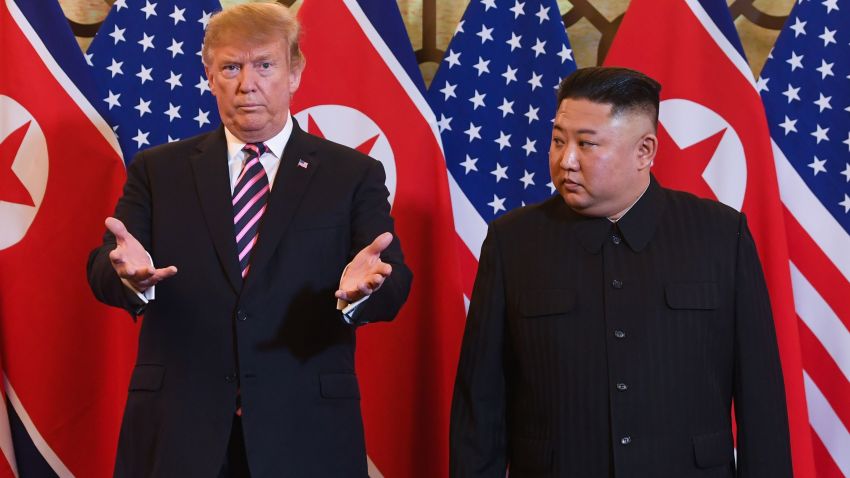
[342,295]
[383,269]
[141,274]
[380,243]
[116,257]
[374,281]
[164,273]
[117,228]
[365,288]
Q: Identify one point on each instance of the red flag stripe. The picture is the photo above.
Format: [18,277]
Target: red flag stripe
[825,373]
[826,466]
[827,426]
[818,269]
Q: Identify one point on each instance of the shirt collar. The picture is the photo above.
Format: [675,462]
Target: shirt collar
[639,223]
[636,227]
[275,144]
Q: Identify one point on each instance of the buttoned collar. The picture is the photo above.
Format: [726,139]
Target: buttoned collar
[636,227]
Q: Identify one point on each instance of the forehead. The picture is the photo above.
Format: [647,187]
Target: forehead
[240,48]
[576,112]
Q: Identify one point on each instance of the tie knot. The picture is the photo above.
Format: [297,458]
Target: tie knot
[255,150]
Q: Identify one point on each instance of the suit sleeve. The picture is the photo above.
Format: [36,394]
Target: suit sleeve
[759,393]
[134,210]
[370,217]
[478,429]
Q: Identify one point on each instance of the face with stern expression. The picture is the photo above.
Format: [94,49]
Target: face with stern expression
[253,63]
[600,160]
[253,85]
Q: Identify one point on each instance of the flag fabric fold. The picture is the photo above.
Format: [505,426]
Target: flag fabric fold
[65,358]
[804,85]
[494,95]
[714,142]
[356,90]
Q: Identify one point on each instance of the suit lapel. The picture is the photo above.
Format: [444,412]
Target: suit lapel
[297,167]
[212,180]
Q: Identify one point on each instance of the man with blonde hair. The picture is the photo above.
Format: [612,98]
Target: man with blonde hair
[283,243]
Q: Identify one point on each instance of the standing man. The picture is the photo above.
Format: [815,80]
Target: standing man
[270,245]
[612,326]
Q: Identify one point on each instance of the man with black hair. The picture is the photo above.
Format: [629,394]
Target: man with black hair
[612,326]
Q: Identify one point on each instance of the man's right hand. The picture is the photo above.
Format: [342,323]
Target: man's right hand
[131,261]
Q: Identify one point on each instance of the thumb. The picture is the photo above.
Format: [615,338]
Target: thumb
[117,228]
[380,243]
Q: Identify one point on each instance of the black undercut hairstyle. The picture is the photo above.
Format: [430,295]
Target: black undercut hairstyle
[624,89]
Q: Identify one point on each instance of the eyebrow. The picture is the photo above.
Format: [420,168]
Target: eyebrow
[581,131]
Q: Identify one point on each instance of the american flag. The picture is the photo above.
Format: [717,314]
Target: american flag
[494,96]
[805,85]
[147,65]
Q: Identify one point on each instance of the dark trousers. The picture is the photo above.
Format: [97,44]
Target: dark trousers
[235,460]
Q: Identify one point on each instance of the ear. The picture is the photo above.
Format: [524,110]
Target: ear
[210,79]
[646,149]
[295,76]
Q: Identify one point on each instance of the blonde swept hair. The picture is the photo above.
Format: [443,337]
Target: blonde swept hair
[256,23]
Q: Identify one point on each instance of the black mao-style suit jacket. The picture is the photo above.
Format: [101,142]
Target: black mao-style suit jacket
[276,338]
[594,350]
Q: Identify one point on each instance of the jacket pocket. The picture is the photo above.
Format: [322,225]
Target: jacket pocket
[530,457]
[713,449]
[339,385]
[695,296]
[147,377]
[540,303]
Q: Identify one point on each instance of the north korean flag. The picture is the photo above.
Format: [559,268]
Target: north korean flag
[361,88]
[714,142]
[65,358]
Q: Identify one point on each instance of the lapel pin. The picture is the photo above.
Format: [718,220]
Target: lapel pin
[302,164]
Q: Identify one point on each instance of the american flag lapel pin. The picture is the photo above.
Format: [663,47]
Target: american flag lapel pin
[302,164]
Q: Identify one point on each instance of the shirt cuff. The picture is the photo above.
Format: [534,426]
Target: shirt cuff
[149,294]
[349,309]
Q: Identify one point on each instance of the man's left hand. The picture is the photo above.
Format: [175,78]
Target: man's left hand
[366,272]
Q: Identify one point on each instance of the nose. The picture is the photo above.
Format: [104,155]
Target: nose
[569,157]
[247,79]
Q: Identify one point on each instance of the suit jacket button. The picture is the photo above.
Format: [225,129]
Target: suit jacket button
[619,334]
[622,387]
[241,315]
[617,284]
[616,239]
[230,378]
[625,440]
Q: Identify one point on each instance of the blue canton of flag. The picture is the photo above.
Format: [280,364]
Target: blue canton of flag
[147,65]
[806,91]
[495,95]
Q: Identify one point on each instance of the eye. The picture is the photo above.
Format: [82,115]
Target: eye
[586,144]
[265,65]
[557,141]
[230,67]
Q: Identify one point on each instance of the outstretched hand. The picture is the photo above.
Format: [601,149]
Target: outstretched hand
[366,272]
[131,261]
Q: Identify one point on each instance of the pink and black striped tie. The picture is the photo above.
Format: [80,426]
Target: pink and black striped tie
[250,197]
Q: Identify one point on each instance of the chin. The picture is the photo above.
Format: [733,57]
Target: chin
[573,200]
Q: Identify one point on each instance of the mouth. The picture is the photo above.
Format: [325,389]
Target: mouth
[249,108]
[571,186]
